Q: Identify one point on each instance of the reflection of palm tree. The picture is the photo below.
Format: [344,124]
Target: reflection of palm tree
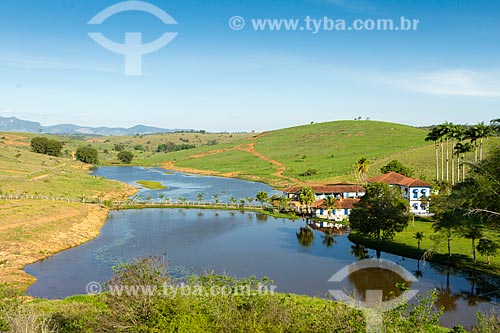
[329,239]
[447,299]
[305,237]
[418,273]
[359,251]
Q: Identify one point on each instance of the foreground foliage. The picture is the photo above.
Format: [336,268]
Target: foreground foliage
[201,312]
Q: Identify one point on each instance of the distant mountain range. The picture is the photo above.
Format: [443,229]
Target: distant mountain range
[13,124]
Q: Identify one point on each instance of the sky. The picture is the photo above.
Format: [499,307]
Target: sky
[219,79]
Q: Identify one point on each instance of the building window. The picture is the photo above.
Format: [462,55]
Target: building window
[415,194]
[415,206]
[424,193]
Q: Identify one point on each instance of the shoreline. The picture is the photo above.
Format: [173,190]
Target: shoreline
[59,232]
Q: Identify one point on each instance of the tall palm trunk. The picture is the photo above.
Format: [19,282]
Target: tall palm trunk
[447,161]
[463,167]
[437,161]
[458,168]
[442,160]
[452,164]
[481,149]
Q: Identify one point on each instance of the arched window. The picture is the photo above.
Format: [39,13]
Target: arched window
[415,194]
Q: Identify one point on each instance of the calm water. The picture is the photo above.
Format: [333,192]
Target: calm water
[244,244]
[187,186]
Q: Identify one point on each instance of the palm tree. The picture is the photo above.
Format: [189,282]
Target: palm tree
[462,149]
[361,169]
[233,200]
[216,198]
[330,203]
[447,134]
[433,135]
[473,135]
[483,132]
[441,131]
[199,196]
[419,236]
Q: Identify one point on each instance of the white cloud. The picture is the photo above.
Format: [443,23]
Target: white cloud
[456,82]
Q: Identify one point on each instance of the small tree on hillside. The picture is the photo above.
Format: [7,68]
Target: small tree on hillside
[380,213]
[396,166]
[125,157]
[87,155]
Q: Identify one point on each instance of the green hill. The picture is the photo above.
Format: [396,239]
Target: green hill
[330,150]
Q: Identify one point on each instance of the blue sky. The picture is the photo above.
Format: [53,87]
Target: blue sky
[211,77]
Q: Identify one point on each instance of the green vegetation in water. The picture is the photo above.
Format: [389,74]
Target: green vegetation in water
[151,184]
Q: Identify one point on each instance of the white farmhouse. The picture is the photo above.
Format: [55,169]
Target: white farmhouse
[412,189]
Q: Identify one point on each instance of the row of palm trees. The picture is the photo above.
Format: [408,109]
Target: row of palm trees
[462,140]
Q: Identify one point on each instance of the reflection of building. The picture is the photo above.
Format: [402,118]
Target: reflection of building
[412,189]
[338,191]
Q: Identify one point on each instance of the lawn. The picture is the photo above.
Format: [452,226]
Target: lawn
[405,244]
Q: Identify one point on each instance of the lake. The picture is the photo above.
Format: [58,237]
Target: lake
[242,244]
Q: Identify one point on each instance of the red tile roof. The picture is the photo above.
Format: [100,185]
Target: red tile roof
[339,204]
[331,188]
[394,178]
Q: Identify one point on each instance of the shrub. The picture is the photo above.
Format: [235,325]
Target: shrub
[125,157]
[87,155]
[42,145]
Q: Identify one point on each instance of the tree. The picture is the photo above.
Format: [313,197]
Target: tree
[479,195]
[447,224]
[87,155]
[380,213]
[433,135]
[396,166]
[361,169]
[42,145]
[38,144]
[262,197]
[487,248]
[216,198]
[483,132]
[306,196]
[53,148]
[461,149]
[419,236]
[199,197]
[495,125]
[472,230]
[330,203]
[125,157]
[119,147]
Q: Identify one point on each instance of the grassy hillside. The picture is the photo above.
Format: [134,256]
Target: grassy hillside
[329,148]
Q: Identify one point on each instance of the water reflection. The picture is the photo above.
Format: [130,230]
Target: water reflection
[305,236]
[359,251]
[377,279]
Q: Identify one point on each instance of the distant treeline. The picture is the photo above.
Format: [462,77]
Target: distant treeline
[171,147]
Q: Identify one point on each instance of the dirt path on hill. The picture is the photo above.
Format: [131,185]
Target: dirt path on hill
[249,148]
